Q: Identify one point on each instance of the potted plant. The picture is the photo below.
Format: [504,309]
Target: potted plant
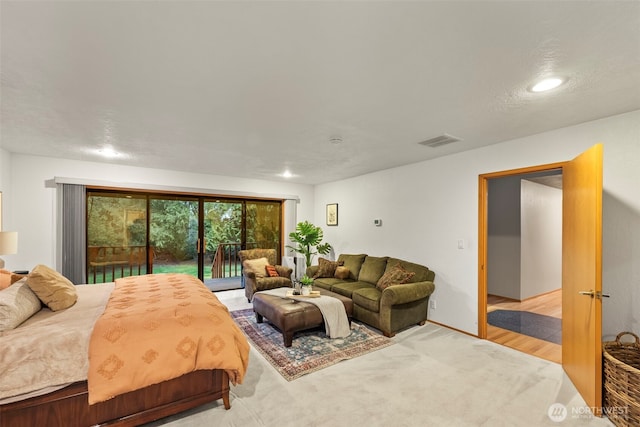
[308,236]
[307,284]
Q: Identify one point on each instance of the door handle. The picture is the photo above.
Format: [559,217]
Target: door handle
[201,248]
[598,295]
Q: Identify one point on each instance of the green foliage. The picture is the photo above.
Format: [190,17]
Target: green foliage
[107,220]
[174,228]
[263,224]
[223,224]
[306,280]
[308,236]
[115,219]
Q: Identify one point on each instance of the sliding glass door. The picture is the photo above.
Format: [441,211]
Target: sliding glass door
[223,225]
[173,234]
[134,233]
[116,236]
[263,225]
[233,225]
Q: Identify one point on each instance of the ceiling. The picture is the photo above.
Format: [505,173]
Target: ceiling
[251,89]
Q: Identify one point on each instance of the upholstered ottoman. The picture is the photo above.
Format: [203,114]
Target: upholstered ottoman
[291,316]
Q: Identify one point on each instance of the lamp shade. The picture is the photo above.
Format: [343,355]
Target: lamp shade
[8,242]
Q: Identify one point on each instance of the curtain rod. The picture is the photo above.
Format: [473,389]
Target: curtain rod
[51,183]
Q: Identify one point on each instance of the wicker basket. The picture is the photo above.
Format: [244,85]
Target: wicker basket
[622,381]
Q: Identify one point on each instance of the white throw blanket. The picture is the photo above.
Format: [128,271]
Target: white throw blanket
[336,323]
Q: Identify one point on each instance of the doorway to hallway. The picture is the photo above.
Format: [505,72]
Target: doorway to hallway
[521,267]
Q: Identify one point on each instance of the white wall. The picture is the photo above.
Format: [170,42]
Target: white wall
[504,237]
[5,176]
[34,207]
[426,207]
[4,168]
[541,239]
[524,238]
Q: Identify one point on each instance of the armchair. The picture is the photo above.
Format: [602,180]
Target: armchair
[255,281]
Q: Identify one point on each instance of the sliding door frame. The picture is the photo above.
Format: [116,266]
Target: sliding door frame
[201,199]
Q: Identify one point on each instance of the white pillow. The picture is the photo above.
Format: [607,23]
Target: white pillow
[17,304]
[257,266]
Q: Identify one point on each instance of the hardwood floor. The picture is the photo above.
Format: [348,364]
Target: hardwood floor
[549,304]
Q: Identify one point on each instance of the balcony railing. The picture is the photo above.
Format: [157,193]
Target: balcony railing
[226,262]
[105,262]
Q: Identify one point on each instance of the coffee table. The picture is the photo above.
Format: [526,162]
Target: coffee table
[294,315]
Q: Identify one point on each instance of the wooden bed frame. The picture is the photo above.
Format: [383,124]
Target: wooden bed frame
[69,406]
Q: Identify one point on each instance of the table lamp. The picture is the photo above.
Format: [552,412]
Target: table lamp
[8,244]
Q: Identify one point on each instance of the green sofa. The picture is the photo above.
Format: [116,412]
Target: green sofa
[391,309]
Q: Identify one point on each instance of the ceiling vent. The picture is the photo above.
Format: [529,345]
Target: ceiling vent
[440,140]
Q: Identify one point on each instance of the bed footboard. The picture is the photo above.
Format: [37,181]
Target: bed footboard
[69,406]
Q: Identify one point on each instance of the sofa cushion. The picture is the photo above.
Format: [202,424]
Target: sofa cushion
[326,268]
[341,273]
[367,298]
[325,282]
[372,269]
[273,282]
[256,266]
[395,276]
[422,273]
[353,263]
[347,288]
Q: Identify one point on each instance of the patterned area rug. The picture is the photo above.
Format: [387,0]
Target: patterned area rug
[524,322]
[311,350]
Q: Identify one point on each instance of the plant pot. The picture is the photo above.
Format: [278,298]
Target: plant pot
[306,290]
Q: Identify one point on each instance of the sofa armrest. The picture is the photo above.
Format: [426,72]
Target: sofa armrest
[408,292]
[284,271]
[312,270]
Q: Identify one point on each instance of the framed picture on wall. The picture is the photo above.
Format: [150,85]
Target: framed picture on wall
[332,214]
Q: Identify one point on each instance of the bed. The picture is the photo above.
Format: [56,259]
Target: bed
[55,369]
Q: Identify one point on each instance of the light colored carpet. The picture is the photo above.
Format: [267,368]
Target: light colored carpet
[433,376]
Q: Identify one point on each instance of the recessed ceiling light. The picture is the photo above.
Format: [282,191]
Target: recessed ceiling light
[108,152]
[287,174]
[547,84]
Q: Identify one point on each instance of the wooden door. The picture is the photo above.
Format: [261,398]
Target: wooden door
[582,274]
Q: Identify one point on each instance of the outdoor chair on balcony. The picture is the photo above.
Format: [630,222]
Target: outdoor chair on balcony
[254,271]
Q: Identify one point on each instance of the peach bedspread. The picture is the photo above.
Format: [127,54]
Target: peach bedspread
[158,327]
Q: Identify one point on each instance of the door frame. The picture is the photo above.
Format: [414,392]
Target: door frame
[483,198]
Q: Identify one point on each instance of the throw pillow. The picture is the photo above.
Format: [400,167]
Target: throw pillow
[326,268]
[8,278]
[5,279]
[54,290]
[271,271]
[396,276]
[341,273]
[256,266]
[17,304]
